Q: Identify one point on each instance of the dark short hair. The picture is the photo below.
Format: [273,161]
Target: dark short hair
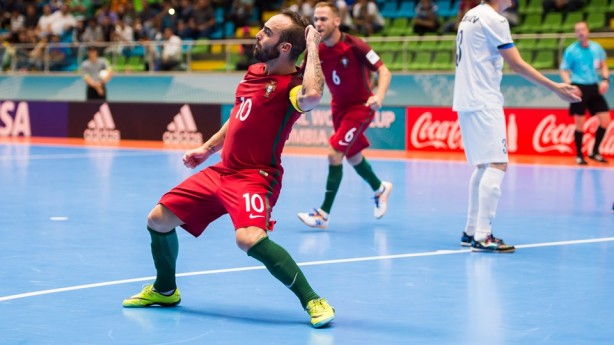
[92,48]
[295,34]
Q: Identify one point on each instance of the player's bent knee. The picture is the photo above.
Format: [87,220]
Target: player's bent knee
[247,237]
[160,219]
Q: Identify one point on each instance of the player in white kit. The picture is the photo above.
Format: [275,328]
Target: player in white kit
[483,42]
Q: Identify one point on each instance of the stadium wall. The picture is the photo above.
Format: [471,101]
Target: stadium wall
[185,109]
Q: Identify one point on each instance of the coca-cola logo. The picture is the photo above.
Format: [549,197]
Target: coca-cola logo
[440,134]
[552,136]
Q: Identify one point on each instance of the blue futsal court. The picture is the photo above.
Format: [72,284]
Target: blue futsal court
[74,245]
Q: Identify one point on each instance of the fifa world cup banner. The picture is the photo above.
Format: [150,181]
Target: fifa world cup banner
[529,131]
[386,131]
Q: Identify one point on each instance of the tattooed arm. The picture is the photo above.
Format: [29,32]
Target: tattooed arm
[313,80]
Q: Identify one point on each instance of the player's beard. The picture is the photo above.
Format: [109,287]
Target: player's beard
[266,54]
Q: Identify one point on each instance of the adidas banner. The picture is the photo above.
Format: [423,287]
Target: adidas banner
[174,124]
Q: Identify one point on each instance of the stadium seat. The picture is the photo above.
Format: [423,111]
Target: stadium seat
[597,6]
[531,23]
[421,61]
[547,43]
[596,20]
[571,19]
[526,44]
[544,59]
[552,22]
[389,9]
[407,9]
[442,61]
[531,7]
[398,27]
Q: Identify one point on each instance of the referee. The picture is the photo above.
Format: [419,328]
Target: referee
[96,73]
[584,65]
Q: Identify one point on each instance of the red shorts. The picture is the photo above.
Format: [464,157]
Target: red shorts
[248,196]
[350,125]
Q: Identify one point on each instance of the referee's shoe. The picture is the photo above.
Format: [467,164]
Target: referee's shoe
[598,158]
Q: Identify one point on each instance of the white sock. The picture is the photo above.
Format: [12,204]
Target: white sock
[490,191]
[472,211]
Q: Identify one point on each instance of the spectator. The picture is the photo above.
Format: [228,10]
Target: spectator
[302,7]
[106,12]
[241,12]
[93,75]
[344,13]
[426,17]
[124,35]
[511,13]
[367,18]
[31,17]
[562,5]
[184,11]
[127,13]
[93,32]
[463,7]
[202,22]
[44,22]
[171,51]
[17,22]
[62,22]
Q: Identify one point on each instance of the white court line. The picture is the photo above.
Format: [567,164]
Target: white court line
[79,155]
[308,263]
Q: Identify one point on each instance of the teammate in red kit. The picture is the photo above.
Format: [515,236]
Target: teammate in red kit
[347,63]
[247,181]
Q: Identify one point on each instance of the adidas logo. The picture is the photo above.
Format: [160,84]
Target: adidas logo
[102,127]
[183,131]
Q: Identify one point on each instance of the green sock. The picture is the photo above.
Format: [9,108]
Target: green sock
[366,172]
[282,266]
[164,249]
[333,181]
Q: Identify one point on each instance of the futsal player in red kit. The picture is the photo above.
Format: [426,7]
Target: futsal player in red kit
[247,181]
[346,63]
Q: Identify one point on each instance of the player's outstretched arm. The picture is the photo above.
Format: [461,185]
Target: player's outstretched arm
[194,157]
[566,92]
[313,79]
[383,82]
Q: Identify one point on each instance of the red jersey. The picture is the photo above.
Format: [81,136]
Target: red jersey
[346,67]
[260,121]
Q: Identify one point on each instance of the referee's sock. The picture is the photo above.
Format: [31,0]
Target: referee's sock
[599,134]
[577,136]
[490,191]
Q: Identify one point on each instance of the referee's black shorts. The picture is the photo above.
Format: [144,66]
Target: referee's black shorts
[92,94]
[591,100]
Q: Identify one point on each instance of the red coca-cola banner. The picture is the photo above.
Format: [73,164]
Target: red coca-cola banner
[529,131]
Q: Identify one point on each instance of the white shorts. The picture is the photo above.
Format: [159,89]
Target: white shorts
[483,133]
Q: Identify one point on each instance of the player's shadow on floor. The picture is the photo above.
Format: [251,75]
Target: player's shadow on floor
[250,315]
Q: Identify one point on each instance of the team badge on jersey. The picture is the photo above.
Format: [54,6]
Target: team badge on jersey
[344,62]
[270,87]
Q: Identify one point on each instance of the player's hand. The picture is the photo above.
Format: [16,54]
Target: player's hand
[374,102]
[312,35]
[568,93]
[194,157]
[603,87]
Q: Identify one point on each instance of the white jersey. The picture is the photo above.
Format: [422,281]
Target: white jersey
[477,83]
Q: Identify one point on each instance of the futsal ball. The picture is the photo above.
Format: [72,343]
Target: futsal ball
[103,74]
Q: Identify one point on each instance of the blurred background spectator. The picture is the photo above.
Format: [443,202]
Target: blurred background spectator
[562,5]
[367,17]
[426,20]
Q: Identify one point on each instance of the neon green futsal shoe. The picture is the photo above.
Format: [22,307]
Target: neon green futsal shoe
[148,297]
[320,311]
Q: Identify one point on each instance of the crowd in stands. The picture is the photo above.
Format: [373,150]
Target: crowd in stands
[171,23]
